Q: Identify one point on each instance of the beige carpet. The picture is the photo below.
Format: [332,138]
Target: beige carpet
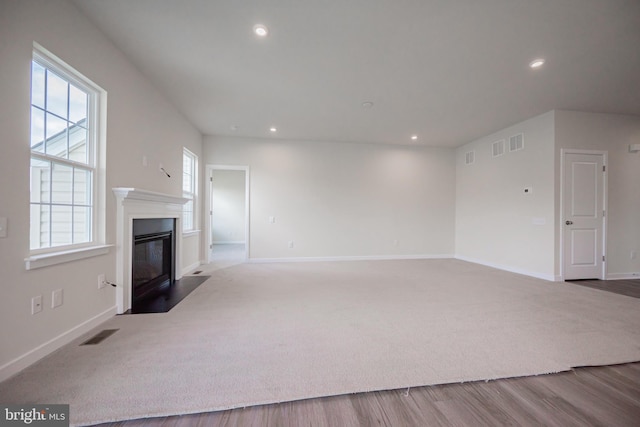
[264,333]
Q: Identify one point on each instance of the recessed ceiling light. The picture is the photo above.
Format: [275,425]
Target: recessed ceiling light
[414,137]
[273,129]
[260,30]
[536,63]
[367,104]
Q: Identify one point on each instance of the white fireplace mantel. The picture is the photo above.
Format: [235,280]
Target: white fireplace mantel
[123,193]
[134,203]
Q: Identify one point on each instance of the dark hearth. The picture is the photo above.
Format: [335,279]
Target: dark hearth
[165,301]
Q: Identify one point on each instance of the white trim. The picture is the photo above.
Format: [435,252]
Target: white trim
[147,196]
[228,242]
[537,275]
[349,258]
[19,363]
[623,276]
[247,207]
[53,258]
[189,269]
[192,233]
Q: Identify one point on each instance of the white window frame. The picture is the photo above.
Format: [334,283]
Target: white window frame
[191,193]
[96,141]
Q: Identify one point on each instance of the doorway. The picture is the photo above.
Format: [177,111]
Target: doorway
[228,217]
[583,221]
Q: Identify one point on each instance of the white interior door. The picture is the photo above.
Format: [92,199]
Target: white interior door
[583,216]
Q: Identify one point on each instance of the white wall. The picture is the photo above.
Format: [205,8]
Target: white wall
[140,123]
[228,200]
[497,224]
[191,259]
[343,200]
[614,134]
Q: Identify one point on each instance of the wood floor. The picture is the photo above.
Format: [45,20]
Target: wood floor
[594,396]
[590,396]
[629,288]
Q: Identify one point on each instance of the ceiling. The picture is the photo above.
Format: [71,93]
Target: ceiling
[446,71]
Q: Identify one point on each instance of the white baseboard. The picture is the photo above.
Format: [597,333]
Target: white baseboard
[18,364]
[190,268]
[537,275]
[623,276]
[349,258]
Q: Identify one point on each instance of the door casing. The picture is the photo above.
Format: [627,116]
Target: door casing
[208,207]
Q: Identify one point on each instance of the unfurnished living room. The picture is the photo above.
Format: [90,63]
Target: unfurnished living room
[367,212]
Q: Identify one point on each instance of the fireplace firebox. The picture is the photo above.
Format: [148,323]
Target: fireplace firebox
[153,266]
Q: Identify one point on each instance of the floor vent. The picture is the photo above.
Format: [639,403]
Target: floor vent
[197,272]
[100,336]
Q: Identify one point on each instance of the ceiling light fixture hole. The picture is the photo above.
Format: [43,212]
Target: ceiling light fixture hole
[260,30]
[536,63]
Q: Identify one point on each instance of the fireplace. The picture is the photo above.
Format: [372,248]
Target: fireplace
[134,204]
[153,263]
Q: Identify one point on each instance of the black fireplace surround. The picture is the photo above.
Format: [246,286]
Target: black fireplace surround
[153,267]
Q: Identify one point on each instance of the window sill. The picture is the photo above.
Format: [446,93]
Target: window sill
[190,233]
[53,258]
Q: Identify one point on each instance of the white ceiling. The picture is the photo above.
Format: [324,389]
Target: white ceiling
[449,71]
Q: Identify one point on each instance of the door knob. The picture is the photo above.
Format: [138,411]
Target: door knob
[568,222]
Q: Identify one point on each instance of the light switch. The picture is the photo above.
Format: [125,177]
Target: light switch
[272,219]
[56,298]
[3,227]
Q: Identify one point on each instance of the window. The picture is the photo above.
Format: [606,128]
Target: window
[64,163]
[189,189]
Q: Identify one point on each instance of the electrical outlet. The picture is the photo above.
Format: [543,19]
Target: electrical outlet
[56,298]
[290,244]
[101,281]
[633,255]
[36,304]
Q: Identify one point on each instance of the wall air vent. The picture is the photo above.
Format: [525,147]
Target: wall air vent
[469,157]
[497,148]
[516,142]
